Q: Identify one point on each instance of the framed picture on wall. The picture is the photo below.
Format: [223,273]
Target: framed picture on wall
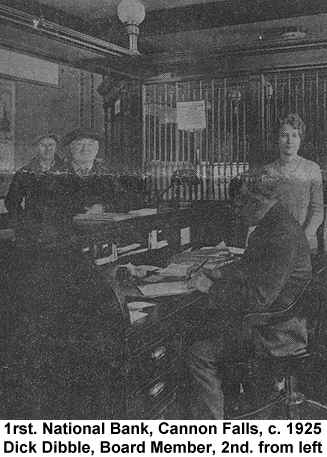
[7,125]
[7,133]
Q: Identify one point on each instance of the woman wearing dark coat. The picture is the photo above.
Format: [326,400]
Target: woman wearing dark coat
[86,185]
[32,190]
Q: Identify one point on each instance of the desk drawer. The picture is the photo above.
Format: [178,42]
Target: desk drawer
[170,410]
[153,398]
[154,361]
[139,342]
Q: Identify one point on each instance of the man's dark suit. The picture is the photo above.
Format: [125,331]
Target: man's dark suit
[272,273]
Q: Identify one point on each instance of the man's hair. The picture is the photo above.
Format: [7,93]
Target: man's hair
[295,121]
[257,182]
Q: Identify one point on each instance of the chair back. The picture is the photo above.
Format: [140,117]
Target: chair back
[310,304]
[261,319]
[317,312]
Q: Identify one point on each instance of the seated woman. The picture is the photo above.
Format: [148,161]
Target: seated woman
[85,185]
[30,191]
[302,192]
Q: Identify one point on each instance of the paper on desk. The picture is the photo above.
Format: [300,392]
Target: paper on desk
[173,271]
[161,289]
[138,271]
[137,315]
[236,250]
[101,217]
[121,217]
[178,270]
[148,267]
[128,248]
[219,247]
[160,244]
[154,278]
[143,212]
[137,305]
[131,253]
[214,253]
[218,251]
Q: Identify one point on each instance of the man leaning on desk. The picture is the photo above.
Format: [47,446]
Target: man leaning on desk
[271,274]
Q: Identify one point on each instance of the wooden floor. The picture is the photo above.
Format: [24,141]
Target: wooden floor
[273,405]
[307,410]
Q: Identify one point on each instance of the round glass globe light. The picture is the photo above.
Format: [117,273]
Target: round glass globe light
[131,12]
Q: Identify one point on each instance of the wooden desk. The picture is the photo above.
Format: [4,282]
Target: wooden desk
[154,349]
[59,318]
[208,224]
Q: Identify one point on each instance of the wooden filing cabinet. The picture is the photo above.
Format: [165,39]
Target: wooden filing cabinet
[152,375]
[153,362]
[153,347]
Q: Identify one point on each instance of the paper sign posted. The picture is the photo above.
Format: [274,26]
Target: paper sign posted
[123,438]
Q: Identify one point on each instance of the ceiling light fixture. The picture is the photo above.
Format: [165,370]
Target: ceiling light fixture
[288,33]
[131,13]
[293,33]
[38,15]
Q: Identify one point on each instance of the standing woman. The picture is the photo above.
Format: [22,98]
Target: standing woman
[302,192]
[29,192]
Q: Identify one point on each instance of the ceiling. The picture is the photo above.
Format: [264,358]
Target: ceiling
[197,25]
[303,29]
[200,28]
[105,8]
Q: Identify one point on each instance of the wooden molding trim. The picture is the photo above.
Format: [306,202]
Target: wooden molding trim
[63,33]
[226,12]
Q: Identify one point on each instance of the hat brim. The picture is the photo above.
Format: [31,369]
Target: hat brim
[53,136]
[80,134]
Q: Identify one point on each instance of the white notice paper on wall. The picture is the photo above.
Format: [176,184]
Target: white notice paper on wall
[191,115]
[185,235]
[117,106]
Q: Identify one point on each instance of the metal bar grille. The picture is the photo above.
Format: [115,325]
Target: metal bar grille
[304,92]
[221,149]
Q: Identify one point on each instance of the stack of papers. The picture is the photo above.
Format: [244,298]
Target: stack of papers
[137,310]
[101,217]
[138,271]
[162,289]
[176,270]
[136,316]
[235,250]
[143,212]
[136,251]
[128,248]
[139,305]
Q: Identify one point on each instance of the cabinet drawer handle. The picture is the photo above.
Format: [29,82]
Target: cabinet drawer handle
[159,353]
[157,389]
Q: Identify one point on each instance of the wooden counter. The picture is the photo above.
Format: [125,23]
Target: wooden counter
[71,350]
[207,225]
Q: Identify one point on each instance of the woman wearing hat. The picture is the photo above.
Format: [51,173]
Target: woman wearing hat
[87,187]
[29,192]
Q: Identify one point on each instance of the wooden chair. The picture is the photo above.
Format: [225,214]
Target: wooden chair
[251,370]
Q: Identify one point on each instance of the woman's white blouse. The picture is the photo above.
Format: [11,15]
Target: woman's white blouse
[302,194]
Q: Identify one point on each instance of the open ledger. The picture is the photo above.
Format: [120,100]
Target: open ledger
[161,289]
